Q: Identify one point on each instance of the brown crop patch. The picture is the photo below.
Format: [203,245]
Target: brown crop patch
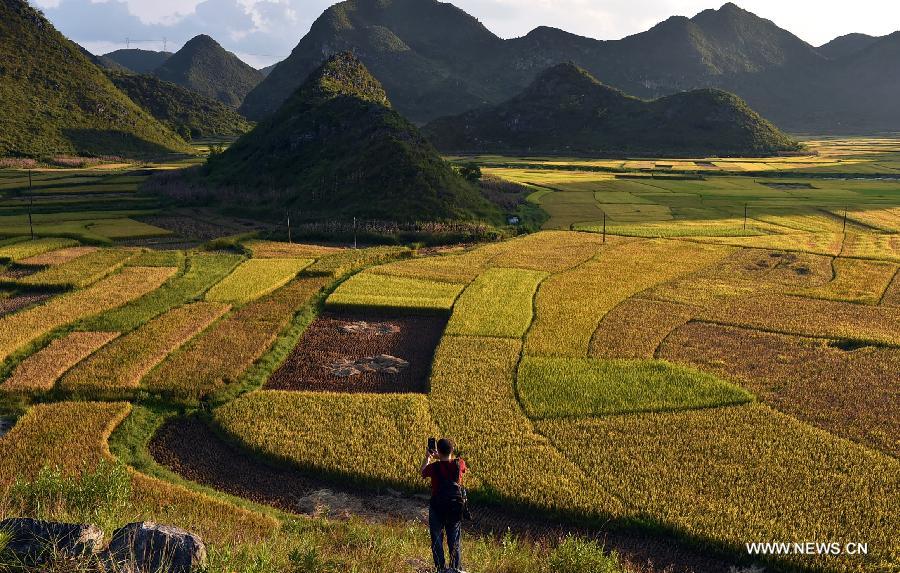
[40,371]
[847,390]
[343,352]
[635,328]
[14,303]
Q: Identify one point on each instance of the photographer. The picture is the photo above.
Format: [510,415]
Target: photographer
[448,501]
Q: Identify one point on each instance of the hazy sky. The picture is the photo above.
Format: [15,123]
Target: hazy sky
[264,31]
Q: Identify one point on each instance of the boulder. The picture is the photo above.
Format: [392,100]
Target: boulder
[33,542]
[146,546]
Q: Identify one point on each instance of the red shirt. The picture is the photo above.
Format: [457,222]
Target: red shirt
[446,470]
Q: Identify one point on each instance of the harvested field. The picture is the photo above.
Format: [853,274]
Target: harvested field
[18,330]
[58,256]
[18,302]
[579,387]
[336,337]
[81,271]
[201,367]
[635,328]
[369,290]
[122,364]
[855,280]
[497,303]
[850,393]
[40,371]
[256,278]
[550,251]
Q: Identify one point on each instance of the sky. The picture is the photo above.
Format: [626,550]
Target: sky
[263,32]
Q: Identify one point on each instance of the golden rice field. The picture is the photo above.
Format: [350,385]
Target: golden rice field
[691,378]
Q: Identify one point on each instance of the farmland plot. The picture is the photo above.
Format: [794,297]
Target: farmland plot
[369,290]
[256,278]
[122,364]
[81,271]
[21,328]
[498,304]
[40,371]
[855,280]
[25,249]
[58,256]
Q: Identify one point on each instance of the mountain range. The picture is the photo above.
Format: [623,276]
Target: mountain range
[436,60]
[57,101]
[138,61]
[336,148]
[204,66]
[566,111]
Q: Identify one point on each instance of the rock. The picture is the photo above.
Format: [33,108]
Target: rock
[5,426]
[33,542]
[146,546]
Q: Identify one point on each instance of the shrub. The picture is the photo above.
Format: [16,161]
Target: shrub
[574,555]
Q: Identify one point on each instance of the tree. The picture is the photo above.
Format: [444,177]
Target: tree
[471,172]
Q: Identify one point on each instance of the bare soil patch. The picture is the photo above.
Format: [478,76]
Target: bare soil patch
[846,389]
[790,186]
[353,352]
[193,450]
[14,303]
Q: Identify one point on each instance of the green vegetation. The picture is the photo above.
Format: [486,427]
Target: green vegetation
[203,66]
[138,61]
[201,272]
[367,290]
[568,387]
[256,278]
[359,158]
[497,303]
[185,112]
[558,114]
[74,108]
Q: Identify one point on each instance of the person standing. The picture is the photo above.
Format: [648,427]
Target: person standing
[445,511]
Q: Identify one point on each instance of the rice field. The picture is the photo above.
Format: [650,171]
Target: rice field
[255,278]
[80,271]
[40,371]
[122,364]
[580,388]
[694,378]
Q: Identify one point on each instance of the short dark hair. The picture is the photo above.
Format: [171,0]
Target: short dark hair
[445,447]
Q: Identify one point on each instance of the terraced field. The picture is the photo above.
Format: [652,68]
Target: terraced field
[677,387]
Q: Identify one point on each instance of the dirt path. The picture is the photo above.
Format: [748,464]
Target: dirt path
[191,449]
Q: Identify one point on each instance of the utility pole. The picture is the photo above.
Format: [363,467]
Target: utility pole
[289,227]
[845,220]
[165,44]
[127,42]
[746,207]
[30,204]
[354,232]
[604,227]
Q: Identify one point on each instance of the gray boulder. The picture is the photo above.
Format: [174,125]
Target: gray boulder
[33,542]
[142,547]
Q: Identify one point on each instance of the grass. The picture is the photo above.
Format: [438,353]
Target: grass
[369,290]
[200,272]
[256,278]
[856,281]
[79,272]
[21,328]
[288,426]
[570,305]
[497,303]
[722,474]
[40,371]
[201,368]
[123,363]
[566,387]
[25,249]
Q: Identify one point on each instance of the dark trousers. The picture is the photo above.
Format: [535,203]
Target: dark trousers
[437,527]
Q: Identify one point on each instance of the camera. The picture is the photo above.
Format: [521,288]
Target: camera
[432,444]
